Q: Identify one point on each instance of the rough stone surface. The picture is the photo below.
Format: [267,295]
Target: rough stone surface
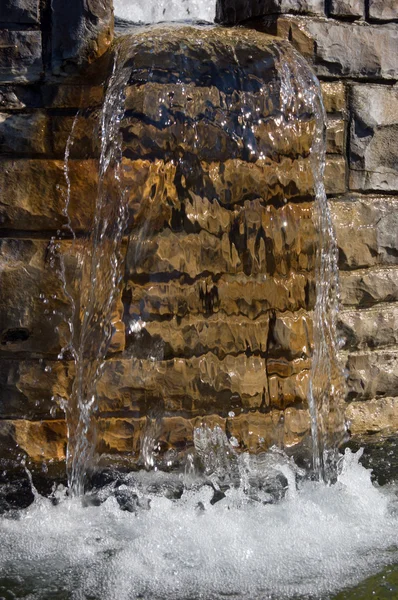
[335,136]
[20,11]
[20,56]
[383,10]
[347,8]
[81,32]
[372,375]
[366,287]
[366,229]
[35,191]
[373,416]
[335,174]
[341,49]
[235,11]
[334,97]
[374,138]
[371,328]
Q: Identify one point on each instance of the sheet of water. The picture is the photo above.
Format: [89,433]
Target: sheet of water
[155,11]
[316,541]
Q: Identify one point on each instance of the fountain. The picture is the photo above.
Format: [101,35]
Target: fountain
[212,250]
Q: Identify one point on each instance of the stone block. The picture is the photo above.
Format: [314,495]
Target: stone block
[25,134]
[347,8]
[334,96]
[34,194]
[21,97]
[335,174]
[20,56]
[341,49]
[383,10]
[235,11]
[34,305]
[81,32]
[374,138]
[21,12]
[335,136]
[379,415]
[370,328]
[366,230]
[367,287]
[372,375]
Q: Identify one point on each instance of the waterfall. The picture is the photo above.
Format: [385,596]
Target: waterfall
[277,93]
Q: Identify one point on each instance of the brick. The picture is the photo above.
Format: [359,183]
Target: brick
[20,11]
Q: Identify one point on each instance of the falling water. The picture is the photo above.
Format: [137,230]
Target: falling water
[294,95]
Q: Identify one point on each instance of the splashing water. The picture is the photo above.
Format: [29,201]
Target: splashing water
[135,540]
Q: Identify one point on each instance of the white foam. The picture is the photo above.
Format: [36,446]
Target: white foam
[314,542]
[155,11]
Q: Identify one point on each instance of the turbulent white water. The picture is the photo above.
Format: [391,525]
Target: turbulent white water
[317,540]
[154,11]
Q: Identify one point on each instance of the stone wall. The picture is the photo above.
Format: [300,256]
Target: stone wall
[353,47]
[51,66]
[46,75]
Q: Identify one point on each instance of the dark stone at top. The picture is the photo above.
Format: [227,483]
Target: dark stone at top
[24,12]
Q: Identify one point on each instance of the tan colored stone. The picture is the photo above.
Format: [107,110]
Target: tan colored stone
[335,175]
[291,335]
[219,334]
[367,287]
[371,328]
[372,374]
[373,416]
[334,96]
[35,194]
[240,295]
[366,229]
[41,440]
[335,136]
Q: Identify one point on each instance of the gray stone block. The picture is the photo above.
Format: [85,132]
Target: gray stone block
[383,10]
[366,230]
[81,32]
[347,8]
[371,328]
[367,287]
[20,11]
[372,375]
[354,49]
[20,56]
[374,138]
[235,11]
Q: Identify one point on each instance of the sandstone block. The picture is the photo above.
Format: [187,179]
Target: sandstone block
[35,303]
[335,136]
[34,194]
[291,335]
[335,174]
[383,10]
[334,96]
[347,8]
[372,375]
[232,12]
[20,11]
[374,138]
[367,287]
[379,415]
[371,328]
[20,97]
[20,56]
[241,295]
[366,231]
